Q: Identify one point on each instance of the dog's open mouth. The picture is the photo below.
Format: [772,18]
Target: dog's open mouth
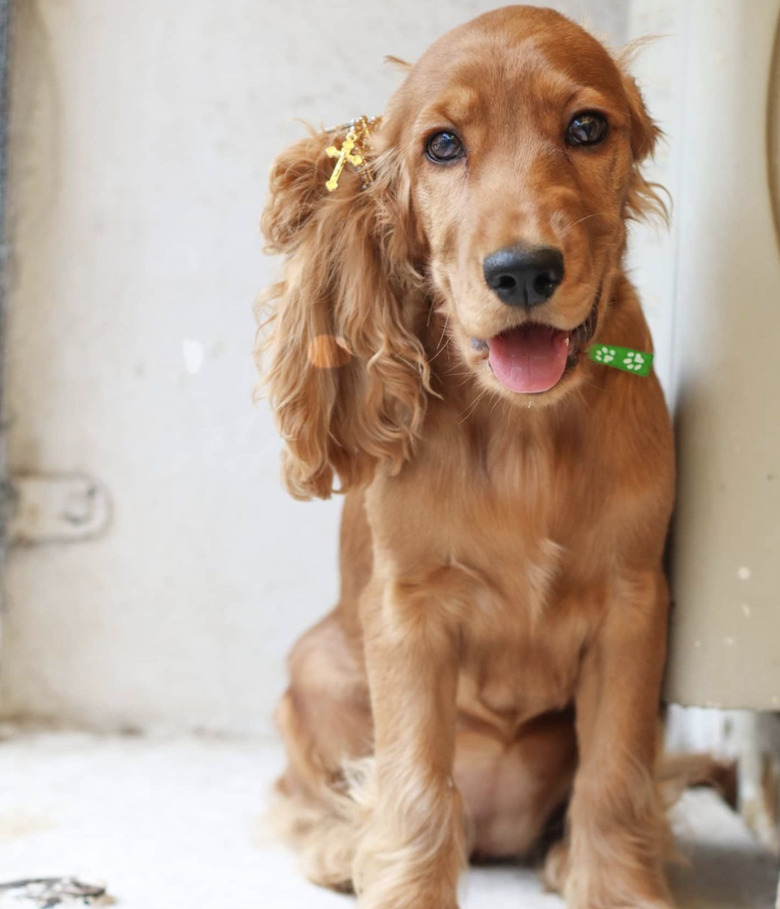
[532,358]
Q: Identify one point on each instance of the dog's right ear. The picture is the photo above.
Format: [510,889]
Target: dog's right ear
[296,190]
[347,375]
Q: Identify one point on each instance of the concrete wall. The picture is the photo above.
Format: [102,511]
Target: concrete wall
[142,134]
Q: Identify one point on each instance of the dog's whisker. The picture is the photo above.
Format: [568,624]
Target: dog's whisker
[566,228]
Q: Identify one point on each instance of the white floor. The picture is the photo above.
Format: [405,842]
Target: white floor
[170,824]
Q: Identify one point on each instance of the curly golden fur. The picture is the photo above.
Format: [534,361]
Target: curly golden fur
[496,654]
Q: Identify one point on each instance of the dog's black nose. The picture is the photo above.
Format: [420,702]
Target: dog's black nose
[524,275]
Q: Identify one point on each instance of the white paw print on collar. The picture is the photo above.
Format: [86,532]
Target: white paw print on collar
[634,360]
[605,354]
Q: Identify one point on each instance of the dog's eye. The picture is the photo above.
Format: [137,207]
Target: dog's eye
[588,128]
[443,147]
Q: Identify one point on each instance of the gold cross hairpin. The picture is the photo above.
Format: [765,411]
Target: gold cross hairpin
[359,130]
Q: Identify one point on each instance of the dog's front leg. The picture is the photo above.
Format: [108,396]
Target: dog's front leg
[617,828]
[415,848]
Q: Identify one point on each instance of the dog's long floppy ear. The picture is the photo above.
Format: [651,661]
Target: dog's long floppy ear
[643,197]
[348,376]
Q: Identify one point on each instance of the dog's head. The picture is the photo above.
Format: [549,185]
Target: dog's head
[504,172]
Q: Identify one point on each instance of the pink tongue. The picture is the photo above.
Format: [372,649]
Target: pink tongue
[529,359]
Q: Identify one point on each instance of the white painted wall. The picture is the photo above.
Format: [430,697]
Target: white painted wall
[726,628]
[142,134]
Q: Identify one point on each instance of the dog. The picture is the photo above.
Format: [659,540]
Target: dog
[496,655]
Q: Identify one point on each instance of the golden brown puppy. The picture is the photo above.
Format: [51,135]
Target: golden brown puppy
[497,650]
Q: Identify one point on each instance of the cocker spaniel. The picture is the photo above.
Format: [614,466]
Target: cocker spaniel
[442,346]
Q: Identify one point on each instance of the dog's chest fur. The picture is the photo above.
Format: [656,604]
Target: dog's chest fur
[500,552]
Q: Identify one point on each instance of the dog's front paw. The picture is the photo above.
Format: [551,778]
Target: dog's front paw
[408,894]
[418,869]
[410,900]
[606,900]
[639,903]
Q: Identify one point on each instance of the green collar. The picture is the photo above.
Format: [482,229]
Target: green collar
[638,362]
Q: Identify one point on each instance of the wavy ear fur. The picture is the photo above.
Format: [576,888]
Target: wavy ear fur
[643,196]
[348,375]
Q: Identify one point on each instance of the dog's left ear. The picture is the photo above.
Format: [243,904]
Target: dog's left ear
[643,198]
[644,131]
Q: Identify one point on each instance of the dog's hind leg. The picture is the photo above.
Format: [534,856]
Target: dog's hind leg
[325,721]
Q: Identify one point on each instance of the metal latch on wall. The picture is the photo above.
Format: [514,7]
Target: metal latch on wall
[55,508]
